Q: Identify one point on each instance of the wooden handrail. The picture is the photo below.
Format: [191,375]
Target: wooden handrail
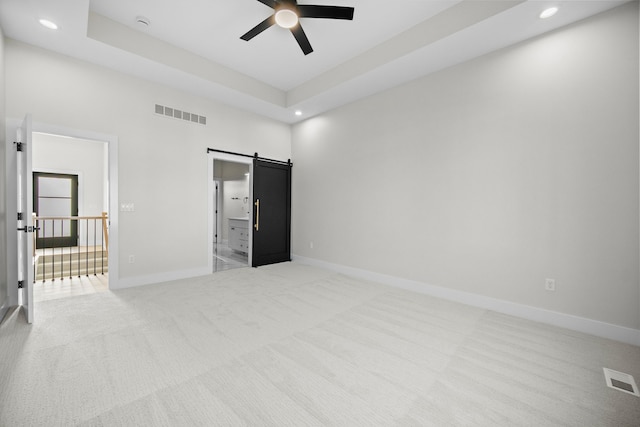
[103,218]
[68,217]
[81,263]
[105,233]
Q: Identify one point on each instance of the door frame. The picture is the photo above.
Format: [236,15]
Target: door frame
[211,157]
[217,206]
[12,209]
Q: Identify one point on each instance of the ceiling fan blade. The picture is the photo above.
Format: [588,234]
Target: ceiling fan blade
[271,3]
[328,12]
[302,39]
[259,28]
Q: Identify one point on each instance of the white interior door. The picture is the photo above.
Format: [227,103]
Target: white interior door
[25,224]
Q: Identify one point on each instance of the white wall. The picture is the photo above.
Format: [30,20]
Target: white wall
[74,156]
[490,176]
[162,162]
[4,295]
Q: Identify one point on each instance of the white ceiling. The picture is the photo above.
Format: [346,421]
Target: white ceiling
[195,45]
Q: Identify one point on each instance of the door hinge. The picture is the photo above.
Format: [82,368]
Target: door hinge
[18,146]
[20,284]
[19,216]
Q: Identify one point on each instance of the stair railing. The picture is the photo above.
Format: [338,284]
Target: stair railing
[81,258]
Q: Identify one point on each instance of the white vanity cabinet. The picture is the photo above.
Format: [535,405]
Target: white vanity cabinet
[239,234]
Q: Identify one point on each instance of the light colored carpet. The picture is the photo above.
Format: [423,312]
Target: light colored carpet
[74,286]
[292,345]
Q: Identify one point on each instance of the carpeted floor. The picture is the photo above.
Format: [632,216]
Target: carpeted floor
[292,345]
[70,287]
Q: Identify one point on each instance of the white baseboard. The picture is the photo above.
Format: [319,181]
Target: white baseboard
[130,282]
[568,321]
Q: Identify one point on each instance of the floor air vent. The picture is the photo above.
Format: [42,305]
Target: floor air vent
[174,113]
[621,381]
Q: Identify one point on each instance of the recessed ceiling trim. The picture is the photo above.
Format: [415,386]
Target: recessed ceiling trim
[451,20]
[196,73]
[120,36]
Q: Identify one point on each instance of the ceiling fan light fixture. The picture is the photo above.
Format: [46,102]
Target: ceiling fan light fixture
[286,18]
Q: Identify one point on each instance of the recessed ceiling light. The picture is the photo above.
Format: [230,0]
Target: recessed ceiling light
[48,24]
[286,18]
[298,113]
[548,13]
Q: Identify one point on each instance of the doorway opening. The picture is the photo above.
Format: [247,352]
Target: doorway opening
[231,220]
[71,208]
[266,202]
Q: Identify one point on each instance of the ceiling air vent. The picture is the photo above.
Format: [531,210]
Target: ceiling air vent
[174,113]
[620,381]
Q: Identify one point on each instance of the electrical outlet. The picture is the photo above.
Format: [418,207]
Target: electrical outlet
[550,284]
[132,259]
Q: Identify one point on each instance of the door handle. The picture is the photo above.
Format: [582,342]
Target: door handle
[257,224]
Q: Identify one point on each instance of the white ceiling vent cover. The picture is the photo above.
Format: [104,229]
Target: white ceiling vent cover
[174,113]
[621,381]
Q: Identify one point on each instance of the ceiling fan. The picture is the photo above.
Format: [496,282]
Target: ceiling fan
[287,14]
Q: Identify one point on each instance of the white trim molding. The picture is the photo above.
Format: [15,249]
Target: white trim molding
[212,156]
[112,153]
[568,321]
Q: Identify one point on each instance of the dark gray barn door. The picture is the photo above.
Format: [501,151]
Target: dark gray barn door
[272,212]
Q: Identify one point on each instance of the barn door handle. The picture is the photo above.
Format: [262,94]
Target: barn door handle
[257,224]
